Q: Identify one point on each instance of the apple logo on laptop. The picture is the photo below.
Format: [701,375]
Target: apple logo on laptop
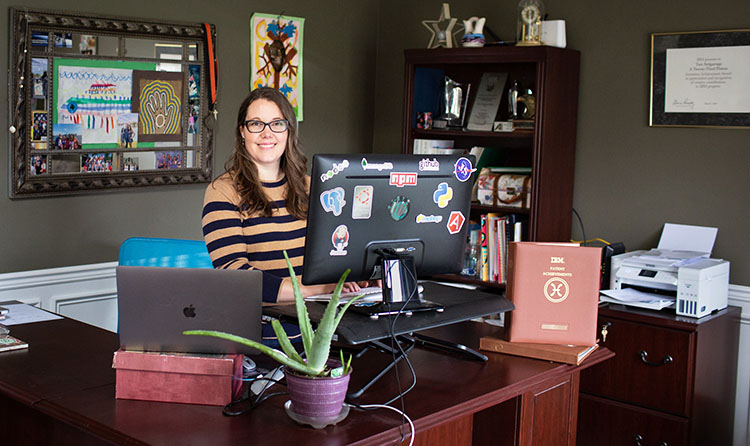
[189,311]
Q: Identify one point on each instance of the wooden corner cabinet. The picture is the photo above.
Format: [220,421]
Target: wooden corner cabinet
[671,383]
[546,144]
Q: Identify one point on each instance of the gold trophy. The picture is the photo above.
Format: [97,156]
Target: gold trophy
[530,14]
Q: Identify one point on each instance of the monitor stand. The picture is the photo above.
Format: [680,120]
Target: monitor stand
[400,290]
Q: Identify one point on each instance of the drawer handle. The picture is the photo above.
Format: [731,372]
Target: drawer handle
[638,439]
[644,357]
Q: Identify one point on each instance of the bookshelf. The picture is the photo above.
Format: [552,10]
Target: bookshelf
[549,148]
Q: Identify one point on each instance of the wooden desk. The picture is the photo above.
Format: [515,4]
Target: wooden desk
[61,391]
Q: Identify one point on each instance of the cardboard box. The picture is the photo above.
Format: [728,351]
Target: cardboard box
[178,377]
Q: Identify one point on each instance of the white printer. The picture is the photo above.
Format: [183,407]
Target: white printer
[699,284]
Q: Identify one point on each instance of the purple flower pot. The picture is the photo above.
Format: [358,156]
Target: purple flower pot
[314,396]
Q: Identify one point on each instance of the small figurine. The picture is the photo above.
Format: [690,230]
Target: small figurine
[473,37]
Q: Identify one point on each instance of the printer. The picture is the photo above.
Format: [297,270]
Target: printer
[700,285]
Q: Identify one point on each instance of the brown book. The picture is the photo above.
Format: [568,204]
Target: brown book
[568,354]
[555,289]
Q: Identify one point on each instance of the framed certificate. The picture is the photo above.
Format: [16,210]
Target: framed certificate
[700,79]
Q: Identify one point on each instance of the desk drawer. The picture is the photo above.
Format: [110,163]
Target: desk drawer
[602,422]
[652,366]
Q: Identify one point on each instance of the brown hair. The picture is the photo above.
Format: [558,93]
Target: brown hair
[244,173]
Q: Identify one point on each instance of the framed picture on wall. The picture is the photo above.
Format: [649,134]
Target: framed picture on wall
[700,79]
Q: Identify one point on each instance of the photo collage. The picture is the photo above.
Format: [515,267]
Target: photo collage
[109,116]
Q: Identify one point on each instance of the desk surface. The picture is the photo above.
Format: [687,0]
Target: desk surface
[66,380]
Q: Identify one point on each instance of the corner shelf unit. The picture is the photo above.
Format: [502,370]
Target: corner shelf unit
[549,148]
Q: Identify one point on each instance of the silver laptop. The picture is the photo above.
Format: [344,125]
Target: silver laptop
[155,305]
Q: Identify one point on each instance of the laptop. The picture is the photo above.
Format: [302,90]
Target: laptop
[156,304]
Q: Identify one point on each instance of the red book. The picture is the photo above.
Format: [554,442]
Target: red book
[555,289]
[178,377]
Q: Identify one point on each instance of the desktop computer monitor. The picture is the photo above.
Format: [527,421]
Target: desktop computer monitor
[395,217]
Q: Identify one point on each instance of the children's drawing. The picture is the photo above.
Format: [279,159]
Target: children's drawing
[93,93]
[157,98]
[276,55]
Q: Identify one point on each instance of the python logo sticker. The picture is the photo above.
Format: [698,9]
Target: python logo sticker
[333,201]
[442,196]
[556,290]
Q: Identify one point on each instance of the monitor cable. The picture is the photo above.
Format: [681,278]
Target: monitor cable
[256,393]
[580,221]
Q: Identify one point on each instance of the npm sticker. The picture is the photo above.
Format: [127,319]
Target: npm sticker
[401,179]
[456,222]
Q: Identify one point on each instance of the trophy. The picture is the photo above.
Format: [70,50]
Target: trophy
[453,104]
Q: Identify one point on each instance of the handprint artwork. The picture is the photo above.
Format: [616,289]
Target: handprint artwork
[159,105]
[160,109]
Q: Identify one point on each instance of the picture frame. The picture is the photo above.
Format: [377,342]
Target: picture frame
[74,125]
[700,79]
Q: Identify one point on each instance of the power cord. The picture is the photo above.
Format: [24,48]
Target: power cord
[580,221]
[403,416]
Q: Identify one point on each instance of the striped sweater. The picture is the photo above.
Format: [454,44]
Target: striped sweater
[236,240]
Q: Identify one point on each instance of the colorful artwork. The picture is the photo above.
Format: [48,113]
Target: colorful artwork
[93,93]
[276,56]
[157,98]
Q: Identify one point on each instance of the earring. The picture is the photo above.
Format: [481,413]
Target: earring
[243,140]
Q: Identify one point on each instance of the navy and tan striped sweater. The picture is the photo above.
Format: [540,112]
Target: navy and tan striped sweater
[236,240]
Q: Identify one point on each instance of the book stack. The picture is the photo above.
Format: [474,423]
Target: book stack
[497,231]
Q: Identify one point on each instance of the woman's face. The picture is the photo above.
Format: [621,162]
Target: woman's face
[265,148]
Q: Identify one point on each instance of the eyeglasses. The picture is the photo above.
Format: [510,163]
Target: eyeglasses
[276,126]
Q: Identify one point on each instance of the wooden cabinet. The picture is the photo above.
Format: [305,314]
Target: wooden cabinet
[548,148]
[672,381]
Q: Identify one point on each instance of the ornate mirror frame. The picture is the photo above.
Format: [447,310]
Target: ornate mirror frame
[99,103]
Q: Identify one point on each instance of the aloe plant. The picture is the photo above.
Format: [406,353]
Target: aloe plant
[317,343]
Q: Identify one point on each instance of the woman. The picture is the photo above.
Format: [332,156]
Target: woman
[258,207]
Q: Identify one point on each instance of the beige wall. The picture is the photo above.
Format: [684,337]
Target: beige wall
[339,73]
[630,178]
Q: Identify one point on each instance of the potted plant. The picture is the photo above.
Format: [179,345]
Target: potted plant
[316,389]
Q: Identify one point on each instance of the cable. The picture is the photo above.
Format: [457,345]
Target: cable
[403,416]
[583,231]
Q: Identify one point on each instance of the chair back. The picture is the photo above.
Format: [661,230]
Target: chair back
[175,253]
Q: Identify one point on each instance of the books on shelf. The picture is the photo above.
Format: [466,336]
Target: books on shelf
[497,231]
[555,290]
[568,354]
[435,147]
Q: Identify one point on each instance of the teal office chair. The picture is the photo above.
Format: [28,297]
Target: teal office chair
[176,253]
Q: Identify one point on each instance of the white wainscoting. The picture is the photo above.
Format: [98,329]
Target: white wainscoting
[740,296]
[88,293]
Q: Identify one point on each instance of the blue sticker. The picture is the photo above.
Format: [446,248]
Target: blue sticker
[333,200]
[464,169]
